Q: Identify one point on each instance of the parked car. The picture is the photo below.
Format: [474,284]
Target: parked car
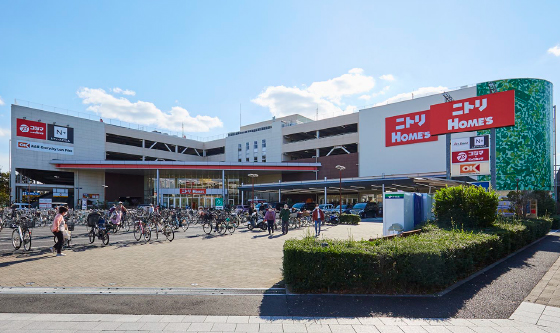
[345,209]
[241,209]
[327,208]
[262,206]
[277,205]
[365,209]
[302,205]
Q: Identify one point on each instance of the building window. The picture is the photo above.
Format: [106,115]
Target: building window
[264,143]
[247,152]
[263,157]
[239,153]
[255,145]
[255,151]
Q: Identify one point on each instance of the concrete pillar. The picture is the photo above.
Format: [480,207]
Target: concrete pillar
[157,187]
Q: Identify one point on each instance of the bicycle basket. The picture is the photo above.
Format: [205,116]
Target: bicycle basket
[92,219]
[70,226]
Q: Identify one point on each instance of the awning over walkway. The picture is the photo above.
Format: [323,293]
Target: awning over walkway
[406,182]
[178,165]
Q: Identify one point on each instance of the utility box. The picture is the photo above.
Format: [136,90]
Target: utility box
[398,212]
[427,207]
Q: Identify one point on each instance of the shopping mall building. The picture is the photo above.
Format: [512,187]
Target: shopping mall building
[390,147]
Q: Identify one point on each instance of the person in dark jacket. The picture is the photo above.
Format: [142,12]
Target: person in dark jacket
[285,217]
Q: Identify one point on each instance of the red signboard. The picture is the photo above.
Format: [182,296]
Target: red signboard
[408,128]
[193,191]
[31,129]
[475,155]
[473,114]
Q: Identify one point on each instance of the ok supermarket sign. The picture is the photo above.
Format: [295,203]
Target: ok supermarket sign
[473,114]
[408,128]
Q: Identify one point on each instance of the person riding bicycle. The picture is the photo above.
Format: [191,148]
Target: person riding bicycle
[121,212]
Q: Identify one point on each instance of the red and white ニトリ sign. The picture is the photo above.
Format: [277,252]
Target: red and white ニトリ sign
[473,114]
[31,129]
[192,191]
[408,128]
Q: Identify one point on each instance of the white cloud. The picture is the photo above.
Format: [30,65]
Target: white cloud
[325,95]
[144,113]
[424,91]
[381,92]
[4,132]
[387,77]
[345,85]
[1,101]
[124,92]
[555,50]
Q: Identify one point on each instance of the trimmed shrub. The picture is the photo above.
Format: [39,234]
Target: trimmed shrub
[465,207]
[555,221]
[350,219]
[418,264]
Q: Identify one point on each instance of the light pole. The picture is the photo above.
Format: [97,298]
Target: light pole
[105,195]
[340,168]
[78,195]
[253,176]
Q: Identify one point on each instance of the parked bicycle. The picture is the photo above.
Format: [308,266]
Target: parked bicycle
[21,235]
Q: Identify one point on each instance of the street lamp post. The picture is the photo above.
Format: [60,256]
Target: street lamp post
[78,195]
[105,195]
[253,176]
[340,168]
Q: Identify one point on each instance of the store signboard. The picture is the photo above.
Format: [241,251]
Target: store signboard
[60,193]
[470,169]
[473,114]
[31,129]
[470,156]
[45,203]
[60,133]
[219,203]
[45,147]
[408,128]
[192,191]
[473,155]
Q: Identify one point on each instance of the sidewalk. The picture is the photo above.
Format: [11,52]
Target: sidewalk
[542,306]
[255,324]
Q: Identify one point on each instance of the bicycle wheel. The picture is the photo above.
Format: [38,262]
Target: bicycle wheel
[137,232]
[147,234]
[127,226]
[207,227]
[169,233]
[221,228]
[27,240]
[231,228]
[16,241]
[91,236]
[185,224]
[105,238]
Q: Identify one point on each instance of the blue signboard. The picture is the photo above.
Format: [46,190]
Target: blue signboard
[485,185]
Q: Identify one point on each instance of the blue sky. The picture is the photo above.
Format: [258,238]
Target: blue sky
[198,61]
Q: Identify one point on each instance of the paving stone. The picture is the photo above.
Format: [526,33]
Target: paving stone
[294,328]
[365,329]
[223,327]
[389,329]
[413,329]
[216,319]
[341,328]
[200,327]
[436,329]
[249,328]
[194,319]
[318,328]
[459,329]
[177,327]
[270,328]
[238,319]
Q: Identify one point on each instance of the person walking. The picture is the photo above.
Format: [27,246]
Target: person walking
[57,229]
[285,217]
[318,216]
[269,217]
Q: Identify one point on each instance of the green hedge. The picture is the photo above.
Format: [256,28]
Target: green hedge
[350,219]
[418,264]
[465,207]
[555,221]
